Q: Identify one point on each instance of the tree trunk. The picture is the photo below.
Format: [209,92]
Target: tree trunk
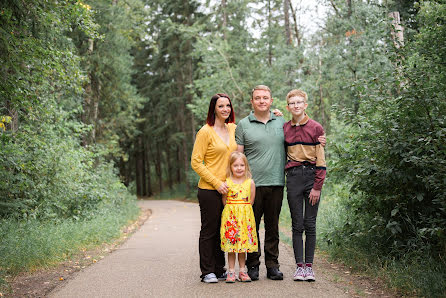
[225,18]
[187,136]
[321,99]
[14,124]
[270,50]
[148,173]
[178,167]
[397,31]
[142,157]
[88,97]
[286,8]
[158,167]
[349,8]
[296,30]
[169,168]
[138,170]
[123,165]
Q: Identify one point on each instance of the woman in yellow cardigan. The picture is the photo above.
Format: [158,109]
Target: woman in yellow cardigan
[213,144]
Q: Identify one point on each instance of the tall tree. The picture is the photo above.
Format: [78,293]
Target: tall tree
[165,73]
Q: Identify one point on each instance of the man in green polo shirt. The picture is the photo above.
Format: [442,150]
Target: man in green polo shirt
[260,137]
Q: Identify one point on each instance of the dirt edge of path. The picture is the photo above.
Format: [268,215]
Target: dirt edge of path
[41,282]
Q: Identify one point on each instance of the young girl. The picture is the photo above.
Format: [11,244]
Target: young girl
[238,228]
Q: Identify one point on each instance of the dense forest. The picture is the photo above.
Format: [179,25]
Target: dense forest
[101,100]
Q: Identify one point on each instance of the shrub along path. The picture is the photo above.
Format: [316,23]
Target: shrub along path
[161,260]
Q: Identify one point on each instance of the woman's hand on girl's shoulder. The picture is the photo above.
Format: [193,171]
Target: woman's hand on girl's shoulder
[223,189]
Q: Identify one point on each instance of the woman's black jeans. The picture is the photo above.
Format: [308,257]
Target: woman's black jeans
[299,182]
[212,258]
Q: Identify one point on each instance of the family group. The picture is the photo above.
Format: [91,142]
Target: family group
[242,171]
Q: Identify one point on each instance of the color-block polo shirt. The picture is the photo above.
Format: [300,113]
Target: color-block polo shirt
[264,147]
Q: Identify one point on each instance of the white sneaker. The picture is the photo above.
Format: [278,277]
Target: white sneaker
[299,274]
[210,278]
[309,274]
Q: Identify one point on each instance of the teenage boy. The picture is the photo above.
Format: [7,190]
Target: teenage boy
[305,173]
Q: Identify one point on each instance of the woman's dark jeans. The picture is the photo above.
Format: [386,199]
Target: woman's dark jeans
[212,258]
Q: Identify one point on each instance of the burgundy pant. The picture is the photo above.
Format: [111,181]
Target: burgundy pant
[212,258]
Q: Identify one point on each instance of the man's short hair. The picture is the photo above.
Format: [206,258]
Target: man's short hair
[261,87]
[297,92]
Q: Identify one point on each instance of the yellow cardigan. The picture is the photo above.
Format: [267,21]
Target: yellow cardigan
[210,156]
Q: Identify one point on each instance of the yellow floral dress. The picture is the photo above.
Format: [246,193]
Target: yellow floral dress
[238,226]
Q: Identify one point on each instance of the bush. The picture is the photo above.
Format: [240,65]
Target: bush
[47,175]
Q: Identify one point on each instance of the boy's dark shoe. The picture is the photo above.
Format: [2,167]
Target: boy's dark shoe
[274,274]
[253,272]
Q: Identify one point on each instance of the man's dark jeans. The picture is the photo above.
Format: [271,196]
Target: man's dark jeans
[299,182]
[268,202]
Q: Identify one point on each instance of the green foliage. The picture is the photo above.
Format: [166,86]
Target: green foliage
[37,60]
[44,173]
[389,160]
[398,164]
[48,175]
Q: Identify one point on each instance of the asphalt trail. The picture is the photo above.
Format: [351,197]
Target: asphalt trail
[161,260]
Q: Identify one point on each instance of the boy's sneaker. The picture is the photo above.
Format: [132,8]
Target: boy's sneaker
[244,277]
[309,274]
[299,274]
[231,277]
[209,278]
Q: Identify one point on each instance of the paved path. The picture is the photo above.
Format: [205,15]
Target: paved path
[161,260]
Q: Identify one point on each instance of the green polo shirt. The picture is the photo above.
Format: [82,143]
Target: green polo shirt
[264,147]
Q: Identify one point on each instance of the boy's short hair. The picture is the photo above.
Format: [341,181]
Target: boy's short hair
[297,92]
[261,87]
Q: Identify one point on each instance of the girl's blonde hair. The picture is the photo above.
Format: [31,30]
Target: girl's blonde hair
[232,158]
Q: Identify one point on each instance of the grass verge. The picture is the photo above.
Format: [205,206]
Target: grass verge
[33,244]
[415,273]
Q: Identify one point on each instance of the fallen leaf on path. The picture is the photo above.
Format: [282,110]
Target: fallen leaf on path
[61,278]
